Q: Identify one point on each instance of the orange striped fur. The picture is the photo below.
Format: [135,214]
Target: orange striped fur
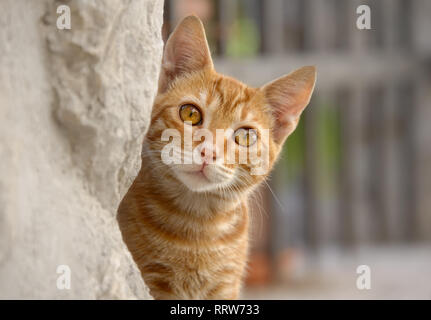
[187,233]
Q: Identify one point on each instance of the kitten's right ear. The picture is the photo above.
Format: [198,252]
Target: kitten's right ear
[185,51]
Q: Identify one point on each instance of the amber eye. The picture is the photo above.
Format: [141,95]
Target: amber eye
[190,113]
[245,137]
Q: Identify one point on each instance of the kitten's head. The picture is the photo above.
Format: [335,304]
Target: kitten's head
[226,117]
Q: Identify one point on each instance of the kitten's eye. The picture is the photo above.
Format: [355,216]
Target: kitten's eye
[245,137]
[190,113]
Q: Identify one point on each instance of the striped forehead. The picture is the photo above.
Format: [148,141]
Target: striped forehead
[224,104]
[232,101]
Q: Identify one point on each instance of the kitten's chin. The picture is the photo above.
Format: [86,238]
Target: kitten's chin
[197,181]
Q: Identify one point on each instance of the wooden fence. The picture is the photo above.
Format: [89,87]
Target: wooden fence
[357,170]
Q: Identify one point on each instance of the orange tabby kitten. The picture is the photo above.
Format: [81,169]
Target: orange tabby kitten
[186,224]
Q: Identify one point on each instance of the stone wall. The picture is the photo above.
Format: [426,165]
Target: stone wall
[74,107]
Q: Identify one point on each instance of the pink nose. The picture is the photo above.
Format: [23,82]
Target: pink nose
[208,154]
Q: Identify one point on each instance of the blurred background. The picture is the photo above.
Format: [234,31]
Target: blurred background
[353,184]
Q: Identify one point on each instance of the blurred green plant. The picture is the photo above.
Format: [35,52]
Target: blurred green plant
[243,38]
[327,146]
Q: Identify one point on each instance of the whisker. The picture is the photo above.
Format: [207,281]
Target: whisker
[275,197]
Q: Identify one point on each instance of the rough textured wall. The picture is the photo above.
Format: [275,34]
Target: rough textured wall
[74,106]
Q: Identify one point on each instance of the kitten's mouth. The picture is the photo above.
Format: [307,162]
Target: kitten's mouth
[201,177]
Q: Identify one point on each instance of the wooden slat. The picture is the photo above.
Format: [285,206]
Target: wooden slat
[346,185]
[423,154]
[227,12]
[377,171]
[358,44]
[420,24]
[391,190]
[293,33]
[404,23]
[358,169]
[343,23]
[317,33]
[273,26]
[390,24]
[408,154]
[333,70]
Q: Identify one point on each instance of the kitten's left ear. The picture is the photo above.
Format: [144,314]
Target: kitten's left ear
[185,51]
[288,96]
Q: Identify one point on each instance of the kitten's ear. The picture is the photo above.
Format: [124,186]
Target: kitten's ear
[288,96]
[185,51]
